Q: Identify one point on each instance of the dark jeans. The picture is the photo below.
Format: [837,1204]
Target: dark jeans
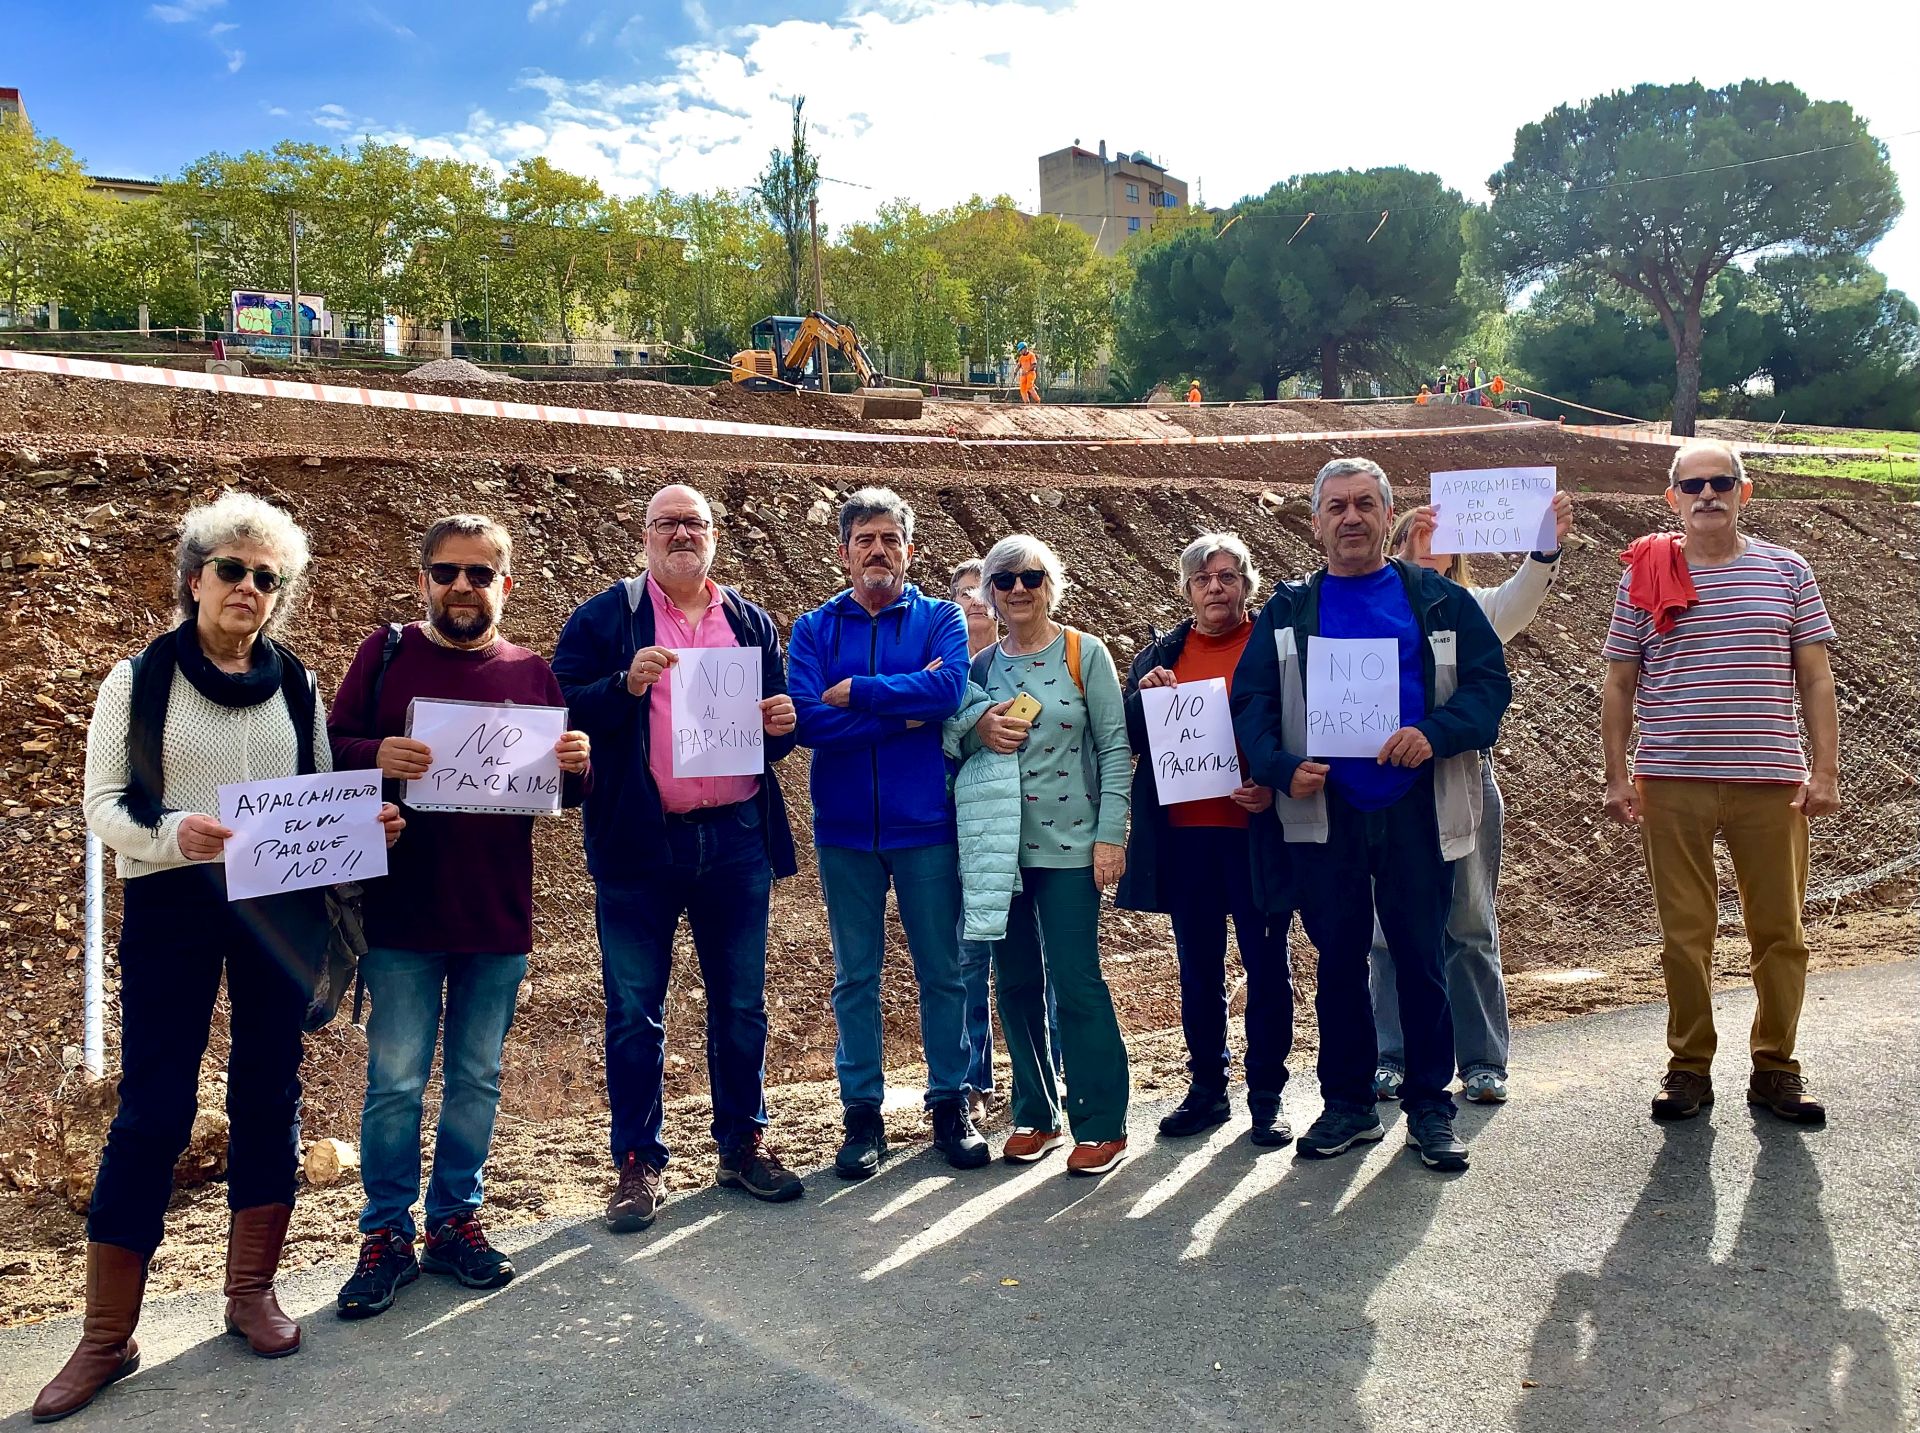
[177,933]
[718,875]
[1212,875]
[1389,861]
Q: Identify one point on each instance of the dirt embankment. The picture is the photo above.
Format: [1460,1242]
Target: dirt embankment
[93,480]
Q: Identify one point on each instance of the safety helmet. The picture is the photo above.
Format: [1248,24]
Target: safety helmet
[1020,347]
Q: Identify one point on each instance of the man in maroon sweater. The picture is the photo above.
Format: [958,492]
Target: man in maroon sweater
[452,920]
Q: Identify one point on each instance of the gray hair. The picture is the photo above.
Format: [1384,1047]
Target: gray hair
[1343,467]
[467,524]
[241,517]
[871,503]
[972,565]
[1204,548]
[1695,445]
[1016,553]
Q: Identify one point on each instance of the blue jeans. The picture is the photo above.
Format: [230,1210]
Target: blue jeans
[1476,989]
[926,885]
[718,875]
[406,988]
[976,960]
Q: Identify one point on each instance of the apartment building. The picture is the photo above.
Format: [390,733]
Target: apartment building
[1111,198]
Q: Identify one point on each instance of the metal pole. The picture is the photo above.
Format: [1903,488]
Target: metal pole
[486,300]
[293,234]
[819,293]
[93,1046]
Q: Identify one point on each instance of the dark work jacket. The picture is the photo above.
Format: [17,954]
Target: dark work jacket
[626,826]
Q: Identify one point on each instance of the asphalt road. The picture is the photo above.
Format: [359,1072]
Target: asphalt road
[1594,1271]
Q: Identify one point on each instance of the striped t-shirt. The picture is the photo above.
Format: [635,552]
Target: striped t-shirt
[1716,694]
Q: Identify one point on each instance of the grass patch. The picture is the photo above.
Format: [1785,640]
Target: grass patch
[1851,438]
[1898,473]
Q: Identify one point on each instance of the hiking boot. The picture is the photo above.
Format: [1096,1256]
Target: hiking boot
[751,1166]
[1096,1156]
[1202,1109]
[387,1263]
[1484,1087]
[637,1198]
[865,1145]
[1387,1082]
[1682,1095]
[1785,1093]
[1026,1144]
[1430,1131]
[1339,1129]
[1270,1125]
[116,1280]
[255,1238]
[459,1247]
[955,1137]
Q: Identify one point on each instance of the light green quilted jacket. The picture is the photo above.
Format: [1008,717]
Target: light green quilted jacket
[986,800]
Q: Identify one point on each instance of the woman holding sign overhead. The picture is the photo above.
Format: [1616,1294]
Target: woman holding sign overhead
[213,702]
[1057,706]
[1191,858]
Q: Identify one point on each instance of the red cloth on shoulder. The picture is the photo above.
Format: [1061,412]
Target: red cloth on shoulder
[1658,582]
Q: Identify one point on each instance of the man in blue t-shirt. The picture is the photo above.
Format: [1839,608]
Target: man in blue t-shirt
[1381,831]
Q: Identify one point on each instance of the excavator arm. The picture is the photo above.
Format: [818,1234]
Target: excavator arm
[818,329]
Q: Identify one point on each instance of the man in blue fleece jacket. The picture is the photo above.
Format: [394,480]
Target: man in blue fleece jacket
[873,673]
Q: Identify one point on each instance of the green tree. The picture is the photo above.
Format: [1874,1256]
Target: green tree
[1076,291]
[1370,285]
[45,213]
[986,248]
[135,254]
[892,283]
[557,272]
[1841,347]
[788,186]
[1656,190]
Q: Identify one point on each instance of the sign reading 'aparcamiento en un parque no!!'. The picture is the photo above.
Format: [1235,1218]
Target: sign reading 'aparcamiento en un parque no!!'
[1494,510]
[298,832]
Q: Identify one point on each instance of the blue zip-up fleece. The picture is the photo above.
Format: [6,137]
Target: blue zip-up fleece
[887,654]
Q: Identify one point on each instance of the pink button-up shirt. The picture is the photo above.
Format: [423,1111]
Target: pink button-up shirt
[670,629]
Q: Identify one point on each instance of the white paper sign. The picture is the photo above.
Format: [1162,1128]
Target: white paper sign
[1190,739]
[302,831]
[486,757]
[717,729]
[1353,695]
[1494,510]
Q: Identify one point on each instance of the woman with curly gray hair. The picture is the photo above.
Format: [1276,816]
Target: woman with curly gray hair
[212,701]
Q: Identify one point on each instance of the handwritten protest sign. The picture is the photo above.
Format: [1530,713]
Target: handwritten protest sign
[1353,695]
[1190,738]
[716,712]
[486,757]
[1494,510]
[301,831]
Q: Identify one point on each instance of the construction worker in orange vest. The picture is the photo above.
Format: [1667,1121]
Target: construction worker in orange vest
[1424,396]
[1193,391]
[1028,368]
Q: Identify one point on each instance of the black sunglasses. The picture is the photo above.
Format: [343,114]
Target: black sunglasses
[445,574]
[1030,579]
[232,571]
[1693,487]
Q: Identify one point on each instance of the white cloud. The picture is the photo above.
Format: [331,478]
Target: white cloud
[235,59]
[934,100]
[182,11]
[333,117]
[379,18]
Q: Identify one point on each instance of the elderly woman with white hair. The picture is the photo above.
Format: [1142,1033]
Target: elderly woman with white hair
[1194,860]
[1071,746]
[213,701]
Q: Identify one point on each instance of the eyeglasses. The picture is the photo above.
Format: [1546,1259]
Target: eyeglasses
[667,526]
[445,574]
[1228,580]
[1030,579]
[1692,487]
[232,571]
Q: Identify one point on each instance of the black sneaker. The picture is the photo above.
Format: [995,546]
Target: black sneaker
[955,1137]
[751,1166]
[459,1247]
[1339,1129]
[386,1263]
[1430,1131]
[1202,1109]
[865,1145]
[1270,1125]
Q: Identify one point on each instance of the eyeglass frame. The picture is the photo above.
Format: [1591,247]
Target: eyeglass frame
[668,526]
[266,581]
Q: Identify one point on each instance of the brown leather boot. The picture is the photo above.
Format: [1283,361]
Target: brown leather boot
[116,1278]
[253,1257]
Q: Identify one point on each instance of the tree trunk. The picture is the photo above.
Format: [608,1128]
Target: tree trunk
[1329,368]
[1686,393]
[1270,387]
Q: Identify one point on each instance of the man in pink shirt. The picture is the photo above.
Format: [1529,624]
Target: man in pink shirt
[661,845]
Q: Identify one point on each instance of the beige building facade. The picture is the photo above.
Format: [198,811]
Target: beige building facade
[1112,198]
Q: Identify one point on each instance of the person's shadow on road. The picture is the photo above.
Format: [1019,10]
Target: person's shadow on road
[1668,1335]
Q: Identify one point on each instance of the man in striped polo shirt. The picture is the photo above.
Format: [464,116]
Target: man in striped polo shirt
[1712,690]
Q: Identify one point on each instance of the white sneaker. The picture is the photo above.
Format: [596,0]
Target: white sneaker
[1484,1087]
[1386,1083]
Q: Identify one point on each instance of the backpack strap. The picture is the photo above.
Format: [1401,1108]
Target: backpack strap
[388,646]
[1073,657]
[981,668]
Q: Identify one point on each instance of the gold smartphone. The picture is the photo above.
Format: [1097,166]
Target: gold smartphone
[1025,706]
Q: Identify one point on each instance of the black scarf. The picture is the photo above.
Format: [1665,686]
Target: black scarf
[274,672]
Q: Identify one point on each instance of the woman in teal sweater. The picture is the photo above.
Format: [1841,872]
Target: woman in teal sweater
[1074,769]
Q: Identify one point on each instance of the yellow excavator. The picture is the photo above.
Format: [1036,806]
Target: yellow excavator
[787,352]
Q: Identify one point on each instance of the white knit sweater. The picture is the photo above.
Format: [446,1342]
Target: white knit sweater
[206,746]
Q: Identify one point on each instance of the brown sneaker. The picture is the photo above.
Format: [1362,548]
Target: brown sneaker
[1096,1156]
[751,1166]
[1026,1145]
[1682,1094]
[1785,1093]
[638,1199]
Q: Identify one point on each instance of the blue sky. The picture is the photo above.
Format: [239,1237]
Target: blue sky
[927,99]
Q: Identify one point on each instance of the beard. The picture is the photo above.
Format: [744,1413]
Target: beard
[462,624]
